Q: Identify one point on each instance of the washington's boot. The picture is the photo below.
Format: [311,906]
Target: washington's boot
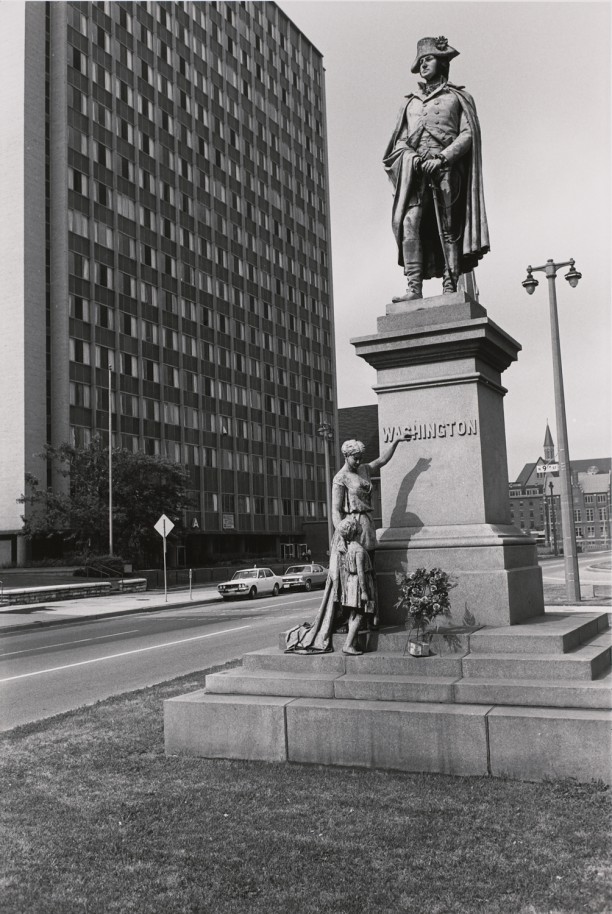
[450,278]
[414,287]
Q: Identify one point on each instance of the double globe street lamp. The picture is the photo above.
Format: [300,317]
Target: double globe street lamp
[572,577]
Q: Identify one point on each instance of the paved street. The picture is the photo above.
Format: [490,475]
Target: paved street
[52,669]
[594,568]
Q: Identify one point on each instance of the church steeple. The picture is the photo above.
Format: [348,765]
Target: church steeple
[549,445]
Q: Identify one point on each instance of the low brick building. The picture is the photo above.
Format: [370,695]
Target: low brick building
[535,499]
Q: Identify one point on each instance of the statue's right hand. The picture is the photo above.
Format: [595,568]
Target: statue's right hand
[416,163]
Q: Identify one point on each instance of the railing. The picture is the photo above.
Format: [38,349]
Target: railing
[101,570]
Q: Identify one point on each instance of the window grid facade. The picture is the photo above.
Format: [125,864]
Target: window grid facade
[198,250]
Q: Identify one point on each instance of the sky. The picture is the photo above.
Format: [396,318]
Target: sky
[540,77]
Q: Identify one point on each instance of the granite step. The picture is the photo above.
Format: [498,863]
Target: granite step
[551,633]
[586,662]
[526,743]
[377,687]
[239,681]
[368,663]
[298,684]
[563,693]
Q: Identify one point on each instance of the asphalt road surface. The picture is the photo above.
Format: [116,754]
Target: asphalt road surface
[56,669]
[591,567]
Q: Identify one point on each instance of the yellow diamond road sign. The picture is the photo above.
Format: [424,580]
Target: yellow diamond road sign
[164,525]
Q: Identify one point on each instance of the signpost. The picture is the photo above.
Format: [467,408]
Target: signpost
[547,468]
[164,526]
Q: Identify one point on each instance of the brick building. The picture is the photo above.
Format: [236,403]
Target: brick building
[535,500]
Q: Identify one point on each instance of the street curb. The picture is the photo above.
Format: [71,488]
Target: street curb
[31,626]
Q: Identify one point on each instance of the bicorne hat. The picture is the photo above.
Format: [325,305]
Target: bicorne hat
[438,47]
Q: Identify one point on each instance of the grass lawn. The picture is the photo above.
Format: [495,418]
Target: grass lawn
[96,819]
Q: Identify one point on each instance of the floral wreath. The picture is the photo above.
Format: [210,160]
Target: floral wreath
[424,594]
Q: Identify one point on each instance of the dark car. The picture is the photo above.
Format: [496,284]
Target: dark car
[304,577]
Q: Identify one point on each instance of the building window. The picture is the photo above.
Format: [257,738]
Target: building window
[150,371]
[129,405]
[579,532]
[590,531]
[125,20]
[211,502]
[103,235]
[80,352]
[227,503]
[171,414]
[589,499]
[80,437]
[150,410]
[150,332]
[171,376]
[244,504]
[80,395]
[77,182]
[129,365]
[103,275]
[79,308]
[226,460]
[78,266]
[151,446]
[602,499]
[79,61]
[127,285]
[590,514]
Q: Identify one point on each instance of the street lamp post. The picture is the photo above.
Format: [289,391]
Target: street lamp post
[326,433]
[572,577]
[110,458]
[553,519]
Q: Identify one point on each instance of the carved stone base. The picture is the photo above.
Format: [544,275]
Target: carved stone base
[498,579]
[444,495]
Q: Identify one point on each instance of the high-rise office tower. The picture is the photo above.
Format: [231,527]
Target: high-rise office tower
[165,213]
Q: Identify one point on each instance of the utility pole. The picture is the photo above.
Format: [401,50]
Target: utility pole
[570,554]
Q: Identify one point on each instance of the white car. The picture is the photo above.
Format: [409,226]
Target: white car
[250,583]
[304,577]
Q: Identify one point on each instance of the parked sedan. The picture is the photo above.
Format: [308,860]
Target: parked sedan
[249,583]
[304,577]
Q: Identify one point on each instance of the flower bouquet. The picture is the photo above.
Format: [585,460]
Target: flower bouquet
[424,596]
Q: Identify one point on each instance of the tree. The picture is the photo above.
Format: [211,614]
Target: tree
[144,487]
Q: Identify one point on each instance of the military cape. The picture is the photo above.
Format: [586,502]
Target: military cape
[399,165]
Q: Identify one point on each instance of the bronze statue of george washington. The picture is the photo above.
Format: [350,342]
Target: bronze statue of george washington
[434,163]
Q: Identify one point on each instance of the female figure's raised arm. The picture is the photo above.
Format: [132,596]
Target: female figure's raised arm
[386,457]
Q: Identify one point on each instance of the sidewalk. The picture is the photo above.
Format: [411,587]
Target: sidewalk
[30,616]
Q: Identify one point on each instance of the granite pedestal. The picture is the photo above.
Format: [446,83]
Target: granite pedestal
[444,494]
